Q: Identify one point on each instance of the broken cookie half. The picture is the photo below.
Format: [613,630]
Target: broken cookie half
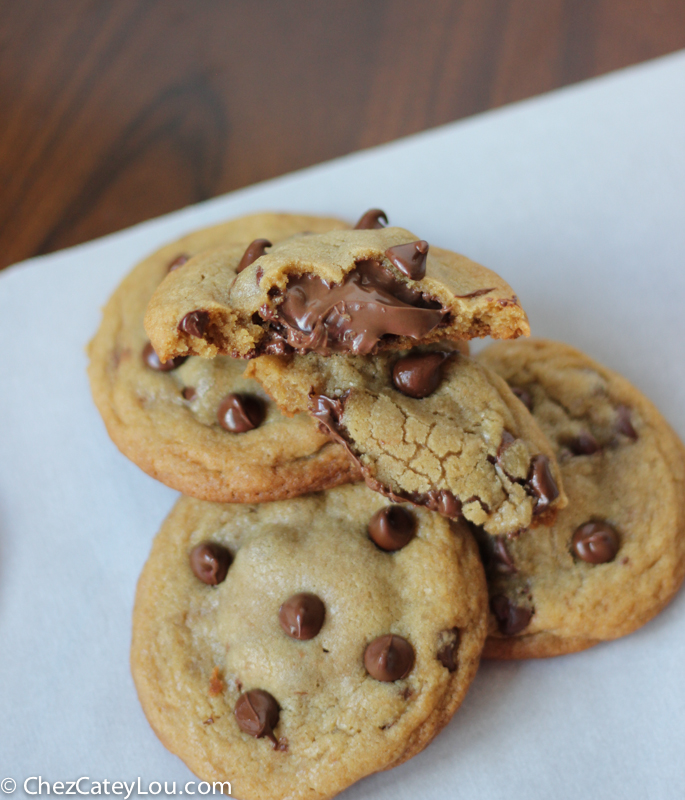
[344,291]
[430,426]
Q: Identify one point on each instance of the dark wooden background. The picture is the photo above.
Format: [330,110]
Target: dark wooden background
[113,111]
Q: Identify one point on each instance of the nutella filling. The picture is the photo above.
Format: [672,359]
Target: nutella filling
[351,317]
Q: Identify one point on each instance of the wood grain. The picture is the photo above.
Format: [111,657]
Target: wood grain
[114,111]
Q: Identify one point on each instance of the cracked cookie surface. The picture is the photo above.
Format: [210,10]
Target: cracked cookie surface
[167,420]
[353,291]
[463,444]
[616,554]
[248,679]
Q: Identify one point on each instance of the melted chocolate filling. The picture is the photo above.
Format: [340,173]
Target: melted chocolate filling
[350,317]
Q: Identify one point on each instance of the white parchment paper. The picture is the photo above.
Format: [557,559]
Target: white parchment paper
[578,199]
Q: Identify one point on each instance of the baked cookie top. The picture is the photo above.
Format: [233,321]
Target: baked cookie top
[343,291]
[431,426]
[197,425]
[616,554]
[279,647]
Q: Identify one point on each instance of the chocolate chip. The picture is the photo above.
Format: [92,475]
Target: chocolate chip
[511,619]
[624,425]
[501,558]
[189,393]
[179,261]
[302,615]
[584,444]
[494,553]
[239,413]
[195,323]
[447,654]
[418,375]
[410,259]
[389,658]
[209,562]
[151,360]
[542,483]
[254,251]
[257,714]
[524,396]
[595,542]
[392,527]
[444,502]
[371,220]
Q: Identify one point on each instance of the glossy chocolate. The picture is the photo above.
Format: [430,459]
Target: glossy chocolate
[595,542]
[442,501]
[195,323]
[419,375]
[542,483]
[239,413]
[352,317]
[389,658]
[257,714]
[501,560]
[447,654]
[371,220]
[511,619]
[302,615]
[410,259]
[392,528]
[328,411]
[209,562]
[151,360]
[584,444]
[255,250]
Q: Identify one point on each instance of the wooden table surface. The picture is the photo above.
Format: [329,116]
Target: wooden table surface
[113,111]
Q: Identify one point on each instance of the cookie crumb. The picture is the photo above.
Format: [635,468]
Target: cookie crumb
[216,683]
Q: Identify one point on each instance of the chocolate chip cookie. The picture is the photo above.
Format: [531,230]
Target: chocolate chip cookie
[353,291]
[294,647]
[200,426]
[429,425]
[616,554]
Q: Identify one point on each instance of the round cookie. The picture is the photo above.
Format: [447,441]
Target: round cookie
[167,421]
[431,426]
[321,657]
[616,554]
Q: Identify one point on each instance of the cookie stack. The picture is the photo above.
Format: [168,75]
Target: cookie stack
[368,509]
